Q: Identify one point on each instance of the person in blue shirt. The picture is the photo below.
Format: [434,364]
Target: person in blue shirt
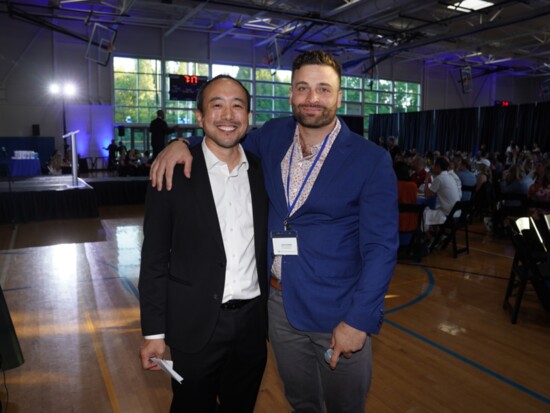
[466,176]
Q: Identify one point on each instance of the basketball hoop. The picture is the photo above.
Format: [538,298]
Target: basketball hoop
[101,44]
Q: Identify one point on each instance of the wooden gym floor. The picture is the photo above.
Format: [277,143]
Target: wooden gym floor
[446,346]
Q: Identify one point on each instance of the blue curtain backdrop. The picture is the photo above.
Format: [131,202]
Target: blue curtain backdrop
[466,129]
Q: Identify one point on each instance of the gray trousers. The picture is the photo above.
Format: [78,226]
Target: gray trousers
[310,384]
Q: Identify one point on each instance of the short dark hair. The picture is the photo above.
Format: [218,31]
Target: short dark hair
[466,163]
[200,96]
[316,57]
[442,163]
[401,171]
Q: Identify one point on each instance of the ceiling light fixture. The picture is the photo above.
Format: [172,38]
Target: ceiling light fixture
[470,5]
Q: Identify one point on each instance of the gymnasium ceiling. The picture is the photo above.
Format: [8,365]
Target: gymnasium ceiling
[510,37]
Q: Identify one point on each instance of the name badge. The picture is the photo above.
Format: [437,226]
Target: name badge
[285,242]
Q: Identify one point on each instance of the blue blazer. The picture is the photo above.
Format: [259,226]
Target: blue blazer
[347,230]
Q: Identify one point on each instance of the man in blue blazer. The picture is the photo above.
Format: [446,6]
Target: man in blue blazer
[333,222]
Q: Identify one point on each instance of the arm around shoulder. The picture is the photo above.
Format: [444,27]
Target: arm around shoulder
[163,165]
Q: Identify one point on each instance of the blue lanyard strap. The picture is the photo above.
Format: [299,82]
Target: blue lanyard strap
[289,205]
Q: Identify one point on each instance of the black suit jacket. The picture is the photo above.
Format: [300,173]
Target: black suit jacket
[183,259]
[159,129]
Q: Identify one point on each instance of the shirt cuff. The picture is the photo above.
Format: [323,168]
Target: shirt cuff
[154,337]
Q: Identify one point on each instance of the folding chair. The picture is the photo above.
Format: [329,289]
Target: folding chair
[509,207]
[483,202]
[457,219]
[468,192]
[530,264]
[413,247]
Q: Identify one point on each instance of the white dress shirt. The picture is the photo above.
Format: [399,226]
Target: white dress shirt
[233,201]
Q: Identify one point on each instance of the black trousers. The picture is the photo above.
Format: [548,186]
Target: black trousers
[158,146]
[229,370]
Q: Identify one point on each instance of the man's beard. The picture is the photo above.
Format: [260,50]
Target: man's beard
[326,117]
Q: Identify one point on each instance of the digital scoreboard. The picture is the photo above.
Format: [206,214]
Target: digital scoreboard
[186,87]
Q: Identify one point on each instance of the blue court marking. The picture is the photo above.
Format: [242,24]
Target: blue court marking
[431,282]
[126,283]
[494,374]
[498,277]
[478,366]
[129,286]
[28,287]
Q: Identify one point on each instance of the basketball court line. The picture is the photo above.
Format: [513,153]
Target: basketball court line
[471,363]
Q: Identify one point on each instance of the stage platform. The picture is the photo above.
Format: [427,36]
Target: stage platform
[54,197]
[119,190]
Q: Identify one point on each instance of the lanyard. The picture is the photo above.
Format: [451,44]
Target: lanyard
[289,205]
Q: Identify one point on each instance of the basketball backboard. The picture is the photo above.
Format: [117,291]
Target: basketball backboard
[101,44]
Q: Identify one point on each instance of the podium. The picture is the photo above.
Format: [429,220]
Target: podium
[10,351]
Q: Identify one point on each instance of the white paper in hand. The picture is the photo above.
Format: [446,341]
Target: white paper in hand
[167,366]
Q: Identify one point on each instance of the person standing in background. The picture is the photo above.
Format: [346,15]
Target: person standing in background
[159,129]
[112,161]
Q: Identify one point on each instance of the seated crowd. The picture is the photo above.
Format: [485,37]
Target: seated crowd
[121,160]
[493,182]
[133,163]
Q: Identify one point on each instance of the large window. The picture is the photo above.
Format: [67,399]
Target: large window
[243,73]
[407,97]
[142,87]
[271,95]
[386,96]
[351,95]
[137,90]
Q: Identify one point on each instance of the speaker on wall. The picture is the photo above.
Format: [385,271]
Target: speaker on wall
[121,130]
[35,130]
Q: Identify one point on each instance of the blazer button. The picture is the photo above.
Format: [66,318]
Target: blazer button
[215,297]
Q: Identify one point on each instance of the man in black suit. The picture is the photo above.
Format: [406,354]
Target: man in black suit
[203,277]
[159,129]
[112,148]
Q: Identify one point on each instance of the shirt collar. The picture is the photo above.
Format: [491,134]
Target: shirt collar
[315,148]
[212,161]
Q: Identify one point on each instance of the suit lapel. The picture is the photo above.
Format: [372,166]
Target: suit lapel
[259,213]
[255,180]
[204,196]
[259,197]
[341,149]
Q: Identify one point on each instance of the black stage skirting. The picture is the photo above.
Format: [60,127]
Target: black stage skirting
[45,197]
[53,197]
[119,190]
